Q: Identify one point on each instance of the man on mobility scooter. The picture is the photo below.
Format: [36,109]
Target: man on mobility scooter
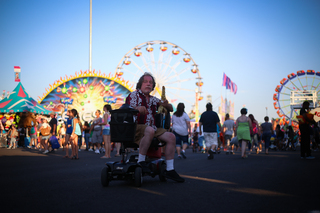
[147,105]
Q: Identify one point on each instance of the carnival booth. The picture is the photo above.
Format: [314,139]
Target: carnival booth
[19,108]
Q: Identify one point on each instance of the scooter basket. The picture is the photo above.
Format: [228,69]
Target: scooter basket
[123,125]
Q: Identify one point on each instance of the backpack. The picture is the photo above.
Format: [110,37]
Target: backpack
[32,131]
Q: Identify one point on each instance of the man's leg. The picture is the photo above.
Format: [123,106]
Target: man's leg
[146,140]
[227,140]
[170,140]
[213,147]
[210,144]
[145,143]
[216,141]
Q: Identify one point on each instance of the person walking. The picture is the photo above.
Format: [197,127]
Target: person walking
[106,130]
[255,134]
[97,131]
[45,132]
[86,129]
[33,136]
[228,129]
[195,138]
[210,120]
[242,131]
[267,131]
[181,129]
[201,140]
[305,131]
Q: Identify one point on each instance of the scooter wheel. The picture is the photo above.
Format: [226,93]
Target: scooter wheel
[162,175]
[104,177]
[138,176]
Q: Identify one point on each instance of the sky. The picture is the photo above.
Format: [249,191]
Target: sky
[255,43]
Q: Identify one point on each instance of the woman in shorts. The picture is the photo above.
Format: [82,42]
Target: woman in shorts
[181,129]
[106,130]
[75,132]
[68,133]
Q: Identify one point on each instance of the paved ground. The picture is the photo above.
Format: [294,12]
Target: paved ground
[279,182]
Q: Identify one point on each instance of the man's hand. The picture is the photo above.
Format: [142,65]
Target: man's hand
[166,105]
[142,110]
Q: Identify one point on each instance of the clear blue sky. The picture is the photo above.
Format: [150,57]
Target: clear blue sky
[256,43]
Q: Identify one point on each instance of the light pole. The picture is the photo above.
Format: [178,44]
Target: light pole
[90,35]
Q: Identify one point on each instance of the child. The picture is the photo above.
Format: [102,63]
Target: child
[13,135]
[33,136]
[62,134]
[195,140]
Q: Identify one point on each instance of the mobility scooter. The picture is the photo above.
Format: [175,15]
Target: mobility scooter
[122,129]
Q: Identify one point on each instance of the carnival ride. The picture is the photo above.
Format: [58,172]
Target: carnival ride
[293,91]
[86,91]
[171,66]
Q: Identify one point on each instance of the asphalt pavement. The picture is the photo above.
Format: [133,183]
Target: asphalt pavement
[278,182]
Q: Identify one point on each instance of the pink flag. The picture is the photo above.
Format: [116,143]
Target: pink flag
[224,79]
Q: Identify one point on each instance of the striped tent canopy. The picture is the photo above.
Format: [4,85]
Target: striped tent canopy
[20,101]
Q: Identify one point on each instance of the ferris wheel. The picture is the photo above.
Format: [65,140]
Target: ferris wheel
[293,90]
[171,67]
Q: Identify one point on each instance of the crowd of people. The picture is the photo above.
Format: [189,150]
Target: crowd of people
[246,134]
[243,133]
[72,133]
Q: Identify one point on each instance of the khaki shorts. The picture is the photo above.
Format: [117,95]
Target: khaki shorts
[211,138]
[140,132]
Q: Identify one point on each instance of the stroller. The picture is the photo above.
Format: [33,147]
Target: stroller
[272,143]
[123,129]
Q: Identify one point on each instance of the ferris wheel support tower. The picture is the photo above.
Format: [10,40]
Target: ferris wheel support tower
[298,97]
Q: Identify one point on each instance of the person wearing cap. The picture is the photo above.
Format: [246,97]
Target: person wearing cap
[210,121]
[242,131]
